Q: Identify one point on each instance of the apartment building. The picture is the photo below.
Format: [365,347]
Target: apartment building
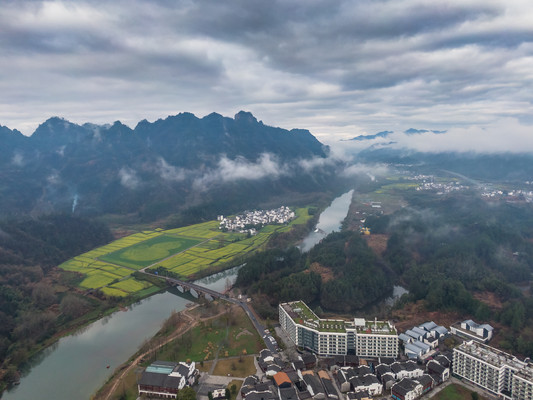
[498,372]
[329,337]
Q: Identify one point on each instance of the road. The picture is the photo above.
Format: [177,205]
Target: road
[242,303]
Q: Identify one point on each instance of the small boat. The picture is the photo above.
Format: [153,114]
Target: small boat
[316,230]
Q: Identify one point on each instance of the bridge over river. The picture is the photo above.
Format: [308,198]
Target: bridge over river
[217,295]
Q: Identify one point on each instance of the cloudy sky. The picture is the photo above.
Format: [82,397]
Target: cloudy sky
[338,68]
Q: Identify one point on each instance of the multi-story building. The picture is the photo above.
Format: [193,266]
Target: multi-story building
[335,336]
[498,372]
[471,330]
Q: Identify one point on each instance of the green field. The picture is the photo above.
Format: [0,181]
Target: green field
[455,392]
[184,251]
[150,251]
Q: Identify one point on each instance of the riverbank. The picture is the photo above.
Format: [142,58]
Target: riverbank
[76,365]
[112,385]
[102,309]
[220,329]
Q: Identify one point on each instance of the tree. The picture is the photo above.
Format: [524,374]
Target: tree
[187,393]
[72,306]
[43,295]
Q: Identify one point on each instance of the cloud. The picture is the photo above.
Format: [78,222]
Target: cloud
[169,172]
[54,178]
[370,170]
[309,164]
[18,159]
[128,178]
[338,68]
[266,166]
[504,136]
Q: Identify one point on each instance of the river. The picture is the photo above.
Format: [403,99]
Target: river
[329,221]
[76,366]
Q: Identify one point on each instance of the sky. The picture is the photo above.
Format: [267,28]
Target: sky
[338,68]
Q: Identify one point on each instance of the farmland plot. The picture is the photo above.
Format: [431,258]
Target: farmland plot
[185,251]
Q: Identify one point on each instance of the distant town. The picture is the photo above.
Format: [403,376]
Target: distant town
[250,221]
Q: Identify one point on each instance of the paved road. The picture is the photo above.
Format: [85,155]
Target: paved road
[243,304]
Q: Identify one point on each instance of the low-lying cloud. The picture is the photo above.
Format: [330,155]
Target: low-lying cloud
[128,178]
[371,170]
[169,172]
[506,136]
[228,170]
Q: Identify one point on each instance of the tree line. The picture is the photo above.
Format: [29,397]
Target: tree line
[447,249]
[354,280]
[34,303]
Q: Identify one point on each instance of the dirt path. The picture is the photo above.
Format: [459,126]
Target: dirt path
[216,355]
[184,327]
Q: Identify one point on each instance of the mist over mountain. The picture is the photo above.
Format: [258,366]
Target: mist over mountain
[157,167]
[474,154]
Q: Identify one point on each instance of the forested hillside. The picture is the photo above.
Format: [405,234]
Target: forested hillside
[218,164]
[340,274]
[34,300]
[458,251]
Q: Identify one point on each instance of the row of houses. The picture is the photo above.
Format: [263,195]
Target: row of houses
[393,377]
[422,341]
[289,383]
[241,222]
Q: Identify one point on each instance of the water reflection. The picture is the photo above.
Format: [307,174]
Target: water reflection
[329,221]
[397,292]
[220,280]
[76,366]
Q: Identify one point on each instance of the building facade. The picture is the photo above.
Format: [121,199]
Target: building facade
[329,337]
[471,330]
[498,372]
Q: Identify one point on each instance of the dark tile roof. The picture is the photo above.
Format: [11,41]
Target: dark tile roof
[397,367]
[308,358]
[315,384]
[339,360]
[265,353]
[411,366]
[358,396]
[344,374]
[351,359]
[298,364]
[443,360]
[435,366]
[424,380]
[382,369]
[330,388]
[183,370]
[363,370]
[261,396]
[159,380]
[288,394]
[292,374]
[405,386]
[251,380]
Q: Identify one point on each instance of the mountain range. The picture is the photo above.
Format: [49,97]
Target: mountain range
[169,164]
